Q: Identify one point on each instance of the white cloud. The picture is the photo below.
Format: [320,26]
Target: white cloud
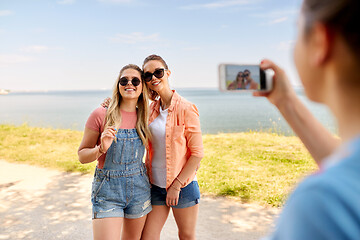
[115,1]
[218,4]
[38,49]
[135,37]
[35,49]
[6,13]
[66,2]
[277,16]
[277,13]
[7,59]
[191,49]
[278,20]
[285,45]
[37,30]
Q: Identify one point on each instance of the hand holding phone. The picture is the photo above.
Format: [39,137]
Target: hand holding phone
[244,77]
[282,91]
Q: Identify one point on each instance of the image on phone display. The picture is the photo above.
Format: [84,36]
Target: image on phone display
[233,77]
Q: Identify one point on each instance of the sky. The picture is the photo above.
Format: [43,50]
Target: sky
[83,44]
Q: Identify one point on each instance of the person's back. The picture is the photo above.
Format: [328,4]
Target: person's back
[327,204]
[327,56]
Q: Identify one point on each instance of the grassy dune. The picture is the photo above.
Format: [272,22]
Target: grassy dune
[252,167]
[255,167]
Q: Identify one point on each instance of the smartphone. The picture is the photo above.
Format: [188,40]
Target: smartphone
[244,77]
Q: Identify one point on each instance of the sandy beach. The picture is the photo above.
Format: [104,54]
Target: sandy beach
[41,203]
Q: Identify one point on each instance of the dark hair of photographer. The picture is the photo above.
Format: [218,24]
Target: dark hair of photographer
[342,16]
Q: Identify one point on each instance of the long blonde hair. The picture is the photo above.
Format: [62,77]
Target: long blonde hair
[113,114]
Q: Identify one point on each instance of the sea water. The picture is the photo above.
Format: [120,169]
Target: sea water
[219,112]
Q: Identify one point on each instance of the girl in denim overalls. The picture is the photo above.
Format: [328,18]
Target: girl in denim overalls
[120,190]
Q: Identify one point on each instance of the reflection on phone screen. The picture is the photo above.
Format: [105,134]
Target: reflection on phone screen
[242,77]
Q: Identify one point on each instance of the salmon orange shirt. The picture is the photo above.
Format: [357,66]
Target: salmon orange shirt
[182,137]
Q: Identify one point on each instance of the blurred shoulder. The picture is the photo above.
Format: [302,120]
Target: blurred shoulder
[99,112]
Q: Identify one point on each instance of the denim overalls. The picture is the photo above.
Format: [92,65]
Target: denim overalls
[122,188]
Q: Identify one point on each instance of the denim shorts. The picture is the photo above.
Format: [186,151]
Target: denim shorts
[189,196]
[120,194]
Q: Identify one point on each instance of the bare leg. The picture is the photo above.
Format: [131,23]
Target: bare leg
[155,222]
[133,228]
[107,228]
[186,219]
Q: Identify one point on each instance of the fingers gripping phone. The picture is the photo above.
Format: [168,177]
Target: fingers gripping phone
[244,77]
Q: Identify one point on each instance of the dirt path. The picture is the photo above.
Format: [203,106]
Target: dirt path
[40,203]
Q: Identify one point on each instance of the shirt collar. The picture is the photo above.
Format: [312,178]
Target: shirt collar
[174,99]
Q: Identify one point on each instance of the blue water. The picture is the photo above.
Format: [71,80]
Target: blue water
[219,112]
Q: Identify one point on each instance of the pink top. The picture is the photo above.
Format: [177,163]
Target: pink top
[96,122]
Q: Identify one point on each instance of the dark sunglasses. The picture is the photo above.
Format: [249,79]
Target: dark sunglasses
[158,73]
[124,81]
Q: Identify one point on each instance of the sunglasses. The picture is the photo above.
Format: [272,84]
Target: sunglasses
[158,73]
[124,81]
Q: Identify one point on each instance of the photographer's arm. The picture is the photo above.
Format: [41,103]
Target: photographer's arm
[316,138]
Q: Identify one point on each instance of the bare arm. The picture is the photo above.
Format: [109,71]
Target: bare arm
[316,138]
[88,150]
[172,197]
[188,170]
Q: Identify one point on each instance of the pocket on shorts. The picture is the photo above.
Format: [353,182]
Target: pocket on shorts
[147,181]
[97,184]
[141,182]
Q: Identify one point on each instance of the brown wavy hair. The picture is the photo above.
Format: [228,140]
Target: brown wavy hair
[113,114]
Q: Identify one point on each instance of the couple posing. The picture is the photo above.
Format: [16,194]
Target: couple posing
[243,81]
[125,203]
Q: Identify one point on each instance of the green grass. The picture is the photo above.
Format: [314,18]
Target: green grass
[45,147]
[253,167]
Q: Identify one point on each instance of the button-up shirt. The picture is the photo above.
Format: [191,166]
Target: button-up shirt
[182,137]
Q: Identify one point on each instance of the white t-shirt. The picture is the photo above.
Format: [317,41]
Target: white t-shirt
[157,128]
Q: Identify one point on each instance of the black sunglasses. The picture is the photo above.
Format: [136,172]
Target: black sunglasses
[124,81]
[158,73]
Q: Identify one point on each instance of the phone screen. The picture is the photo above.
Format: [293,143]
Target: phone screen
[233,77]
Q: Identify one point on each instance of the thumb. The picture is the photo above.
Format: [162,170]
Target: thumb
[260,94]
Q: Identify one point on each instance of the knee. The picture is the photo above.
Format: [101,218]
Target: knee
[186,235]
[150,236]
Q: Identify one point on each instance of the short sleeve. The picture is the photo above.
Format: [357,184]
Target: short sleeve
[96,120]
